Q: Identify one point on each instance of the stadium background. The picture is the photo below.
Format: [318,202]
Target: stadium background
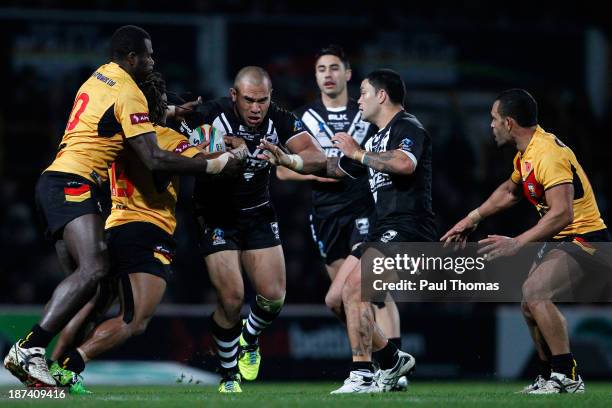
[454,58]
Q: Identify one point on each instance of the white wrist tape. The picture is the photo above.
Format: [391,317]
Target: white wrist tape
[215,166]
[475,216]
[297,163]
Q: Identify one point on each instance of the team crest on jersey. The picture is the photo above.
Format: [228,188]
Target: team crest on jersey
[531,189]
[527,167]
[298,126]
[388,236]
[274,228]
[218,237]
[406,144]
[362,225]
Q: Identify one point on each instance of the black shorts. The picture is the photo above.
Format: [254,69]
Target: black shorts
[63,197]
[394,233]
[244,230]
[335,236]
[582,247]
[140,247]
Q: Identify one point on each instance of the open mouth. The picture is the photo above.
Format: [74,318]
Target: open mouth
[329,84]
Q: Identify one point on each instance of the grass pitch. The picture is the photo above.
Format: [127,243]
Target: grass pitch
[260,395]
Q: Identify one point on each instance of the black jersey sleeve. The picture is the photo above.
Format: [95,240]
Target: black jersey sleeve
[287,124]
[352,168]
[407,137]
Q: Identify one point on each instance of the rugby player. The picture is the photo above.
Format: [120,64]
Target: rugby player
[547,173]
[398,161]
[109,112]
[342,209]
[240,230]
[139,236]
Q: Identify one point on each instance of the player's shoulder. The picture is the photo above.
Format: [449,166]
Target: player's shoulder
[407,123]
[547,146]
[315,105]
[169,139]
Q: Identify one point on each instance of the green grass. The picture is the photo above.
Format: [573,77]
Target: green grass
[265,395]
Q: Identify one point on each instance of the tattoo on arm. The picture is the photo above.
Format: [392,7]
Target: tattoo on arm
[385,162]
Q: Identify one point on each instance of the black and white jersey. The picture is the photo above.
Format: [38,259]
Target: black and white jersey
[398,196]
[323,123]
[251,189]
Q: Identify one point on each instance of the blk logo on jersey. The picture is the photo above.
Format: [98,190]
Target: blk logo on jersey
[340,116]
[137,118]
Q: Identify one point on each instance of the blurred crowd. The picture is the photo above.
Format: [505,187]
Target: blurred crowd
[467,164]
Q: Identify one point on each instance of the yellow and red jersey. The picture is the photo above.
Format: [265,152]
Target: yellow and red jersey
[137,195]
[546,163]
[108,107]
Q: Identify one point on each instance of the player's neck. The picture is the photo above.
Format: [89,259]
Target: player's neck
[386,114]
[523,138]
[338,101]
[125,67]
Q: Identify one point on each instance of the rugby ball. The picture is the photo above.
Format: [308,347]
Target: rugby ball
[207,133]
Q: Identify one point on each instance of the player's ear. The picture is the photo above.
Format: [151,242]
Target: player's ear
[233,94]
[381,95]
[348,74]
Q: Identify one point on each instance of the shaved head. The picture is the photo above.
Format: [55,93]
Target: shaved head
[252,75]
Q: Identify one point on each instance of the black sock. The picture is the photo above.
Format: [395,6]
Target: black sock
[386,356]
[72,361]
[227,341]
[365,366]
[397,341]
[257,321]
[37,337]
[564,364]
[545,369]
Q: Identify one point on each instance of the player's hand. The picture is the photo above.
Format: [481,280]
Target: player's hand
[459,233]
[181,111]
[202,146]
[345,143]
[496,246]
[233,167]
[233,141]
[273,154]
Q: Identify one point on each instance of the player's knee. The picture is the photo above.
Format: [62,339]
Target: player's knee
[525,309]
[231,300]
[139,325]
[272,292]
[273,305]
[533,293]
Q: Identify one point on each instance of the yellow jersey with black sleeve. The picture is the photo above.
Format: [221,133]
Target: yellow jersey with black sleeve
[546,163]
[137,194]
[108,107]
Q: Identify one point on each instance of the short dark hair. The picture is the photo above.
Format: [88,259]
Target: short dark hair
[335,50]
[153,87]
[519,105]
[391,82]
[127,39]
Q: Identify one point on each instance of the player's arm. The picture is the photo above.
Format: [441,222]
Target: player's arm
[156,159]
[306,155]
[285,174]
[504,197]
[394,161]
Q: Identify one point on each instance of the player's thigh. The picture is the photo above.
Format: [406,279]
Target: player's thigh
[84,239]
[224,271]
[265,268]
[335,290]
[148,291]
[552,278]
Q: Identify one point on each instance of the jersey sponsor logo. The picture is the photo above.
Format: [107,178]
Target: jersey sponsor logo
[388,236]
[137,118]
[184,145]
[336,116]
[527,167]
[362,225]
[274,228]
[218,237]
